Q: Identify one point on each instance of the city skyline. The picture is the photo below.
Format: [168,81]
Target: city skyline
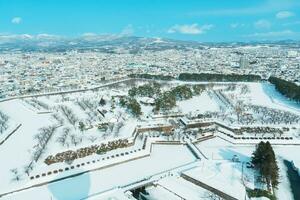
[189,20]
[149,99]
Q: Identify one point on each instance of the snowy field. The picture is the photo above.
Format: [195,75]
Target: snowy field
[216,173]
[220,150]
[199,104]
[183,188]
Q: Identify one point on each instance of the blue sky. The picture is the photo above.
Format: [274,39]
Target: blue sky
[210,20]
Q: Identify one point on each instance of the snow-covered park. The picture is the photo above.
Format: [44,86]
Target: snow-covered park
[104,142]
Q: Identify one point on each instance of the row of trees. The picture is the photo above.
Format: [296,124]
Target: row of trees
[289,89]
[42,138]
[3,122]
[202,77]
[37,104]
[90,108]
[67,139]
[268,115]
[40,104]
[148,90]
[152,76]
[218,77]
[69,114]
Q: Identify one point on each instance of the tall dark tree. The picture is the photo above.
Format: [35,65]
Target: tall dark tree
[264,160]
[102,102]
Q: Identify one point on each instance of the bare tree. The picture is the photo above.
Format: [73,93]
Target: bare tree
[59,119]
[16,175]
[92,138]
[117,127]
[63,138]
[68,113]
[28,168]
[42,138]
[75,140]
[3,122]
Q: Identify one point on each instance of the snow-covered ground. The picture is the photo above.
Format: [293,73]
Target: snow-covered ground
[265,94]
[199,104]
[162,158]
[183,188]
[216,173]
[15,152]
[109,121]
[158,192]
[220,150]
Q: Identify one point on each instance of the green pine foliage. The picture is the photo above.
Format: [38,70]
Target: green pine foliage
[147,90]
[152,76]
[289,89]
[260,193]
[165,101]
[182,92]
[264,160]
[132,105]
[219,77]
[198,89]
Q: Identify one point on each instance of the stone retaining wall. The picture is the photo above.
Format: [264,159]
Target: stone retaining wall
[209,188]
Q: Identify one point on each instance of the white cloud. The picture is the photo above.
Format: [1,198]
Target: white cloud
[89,34]
[28,37]
[46,36]
[292,23]
[262,24]
[236,25]
[12,37]
[128,30]
[16,20]
[284,14]
[16,36]
[192,29]
[272,34]
[98,37]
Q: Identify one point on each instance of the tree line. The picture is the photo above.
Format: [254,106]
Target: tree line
[219,77]
[202,77]
[289,89]
[152,76]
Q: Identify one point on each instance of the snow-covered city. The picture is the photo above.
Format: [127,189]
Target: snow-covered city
[149,100]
